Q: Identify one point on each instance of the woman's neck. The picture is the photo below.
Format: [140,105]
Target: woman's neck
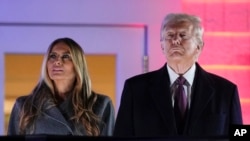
[63,88]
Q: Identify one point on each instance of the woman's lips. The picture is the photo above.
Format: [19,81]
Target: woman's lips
[57,70]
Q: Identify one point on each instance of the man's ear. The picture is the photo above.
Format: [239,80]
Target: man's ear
[162,47]
[199,46]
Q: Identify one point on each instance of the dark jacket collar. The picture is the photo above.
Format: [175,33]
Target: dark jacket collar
[202,93]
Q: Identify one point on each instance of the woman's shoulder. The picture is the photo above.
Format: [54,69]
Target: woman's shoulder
[19,102]
[103,98]
[21,99]
[102,102]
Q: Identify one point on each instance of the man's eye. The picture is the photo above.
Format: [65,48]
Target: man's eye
[182,35]
[170,36]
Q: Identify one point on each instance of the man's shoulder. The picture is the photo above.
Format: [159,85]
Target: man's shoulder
[144,76]
[217,79]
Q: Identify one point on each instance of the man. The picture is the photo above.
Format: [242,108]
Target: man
[148,102]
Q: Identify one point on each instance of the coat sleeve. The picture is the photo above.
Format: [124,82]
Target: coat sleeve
[107,116]
[236,114]
[124,119]
[14,119]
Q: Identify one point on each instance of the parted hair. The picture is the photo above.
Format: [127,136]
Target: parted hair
[82,99]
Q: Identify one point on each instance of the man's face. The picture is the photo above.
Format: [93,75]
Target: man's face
[179,43]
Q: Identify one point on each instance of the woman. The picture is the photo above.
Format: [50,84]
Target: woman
[63,103]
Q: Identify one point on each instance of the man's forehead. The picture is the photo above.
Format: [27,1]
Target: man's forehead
[179,25]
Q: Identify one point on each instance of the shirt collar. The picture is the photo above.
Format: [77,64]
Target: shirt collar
[189,75]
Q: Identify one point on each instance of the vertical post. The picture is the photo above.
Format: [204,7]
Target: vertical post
[145,51]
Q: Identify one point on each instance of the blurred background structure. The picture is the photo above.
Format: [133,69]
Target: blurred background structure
[121,38]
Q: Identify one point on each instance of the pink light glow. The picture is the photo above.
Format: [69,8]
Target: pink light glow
[227,42]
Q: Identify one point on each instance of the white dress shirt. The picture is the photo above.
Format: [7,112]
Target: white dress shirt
[189,76]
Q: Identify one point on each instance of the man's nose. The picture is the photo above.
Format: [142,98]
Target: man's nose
[176,40]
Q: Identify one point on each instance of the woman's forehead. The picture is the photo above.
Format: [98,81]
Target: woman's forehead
[62,47]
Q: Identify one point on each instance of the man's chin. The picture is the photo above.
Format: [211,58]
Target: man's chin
[175,58]
[176,55]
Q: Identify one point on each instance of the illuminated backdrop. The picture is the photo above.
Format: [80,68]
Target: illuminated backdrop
[227,42]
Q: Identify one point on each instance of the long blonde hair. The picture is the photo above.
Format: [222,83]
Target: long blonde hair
[83,98]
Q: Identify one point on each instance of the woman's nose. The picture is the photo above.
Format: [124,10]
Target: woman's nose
[58,61]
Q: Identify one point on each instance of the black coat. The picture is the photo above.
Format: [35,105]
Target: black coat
[146,106]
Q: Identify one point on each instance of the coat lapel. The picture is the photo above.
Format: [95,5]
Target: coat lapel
[160,93]
[55,114]
[202,93]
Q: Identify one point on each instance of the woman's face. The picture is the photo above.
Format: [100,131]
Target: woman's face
[60,66]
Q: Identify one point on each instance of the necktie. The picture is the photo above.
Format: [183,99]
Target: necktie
[180,102]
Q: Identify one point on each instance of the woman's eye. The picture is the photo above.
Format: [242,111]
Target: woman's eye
[66,56]
[52,56]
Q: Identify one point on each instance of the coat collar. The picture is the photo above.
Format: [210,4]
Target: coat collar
[57,115]
[160,93]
